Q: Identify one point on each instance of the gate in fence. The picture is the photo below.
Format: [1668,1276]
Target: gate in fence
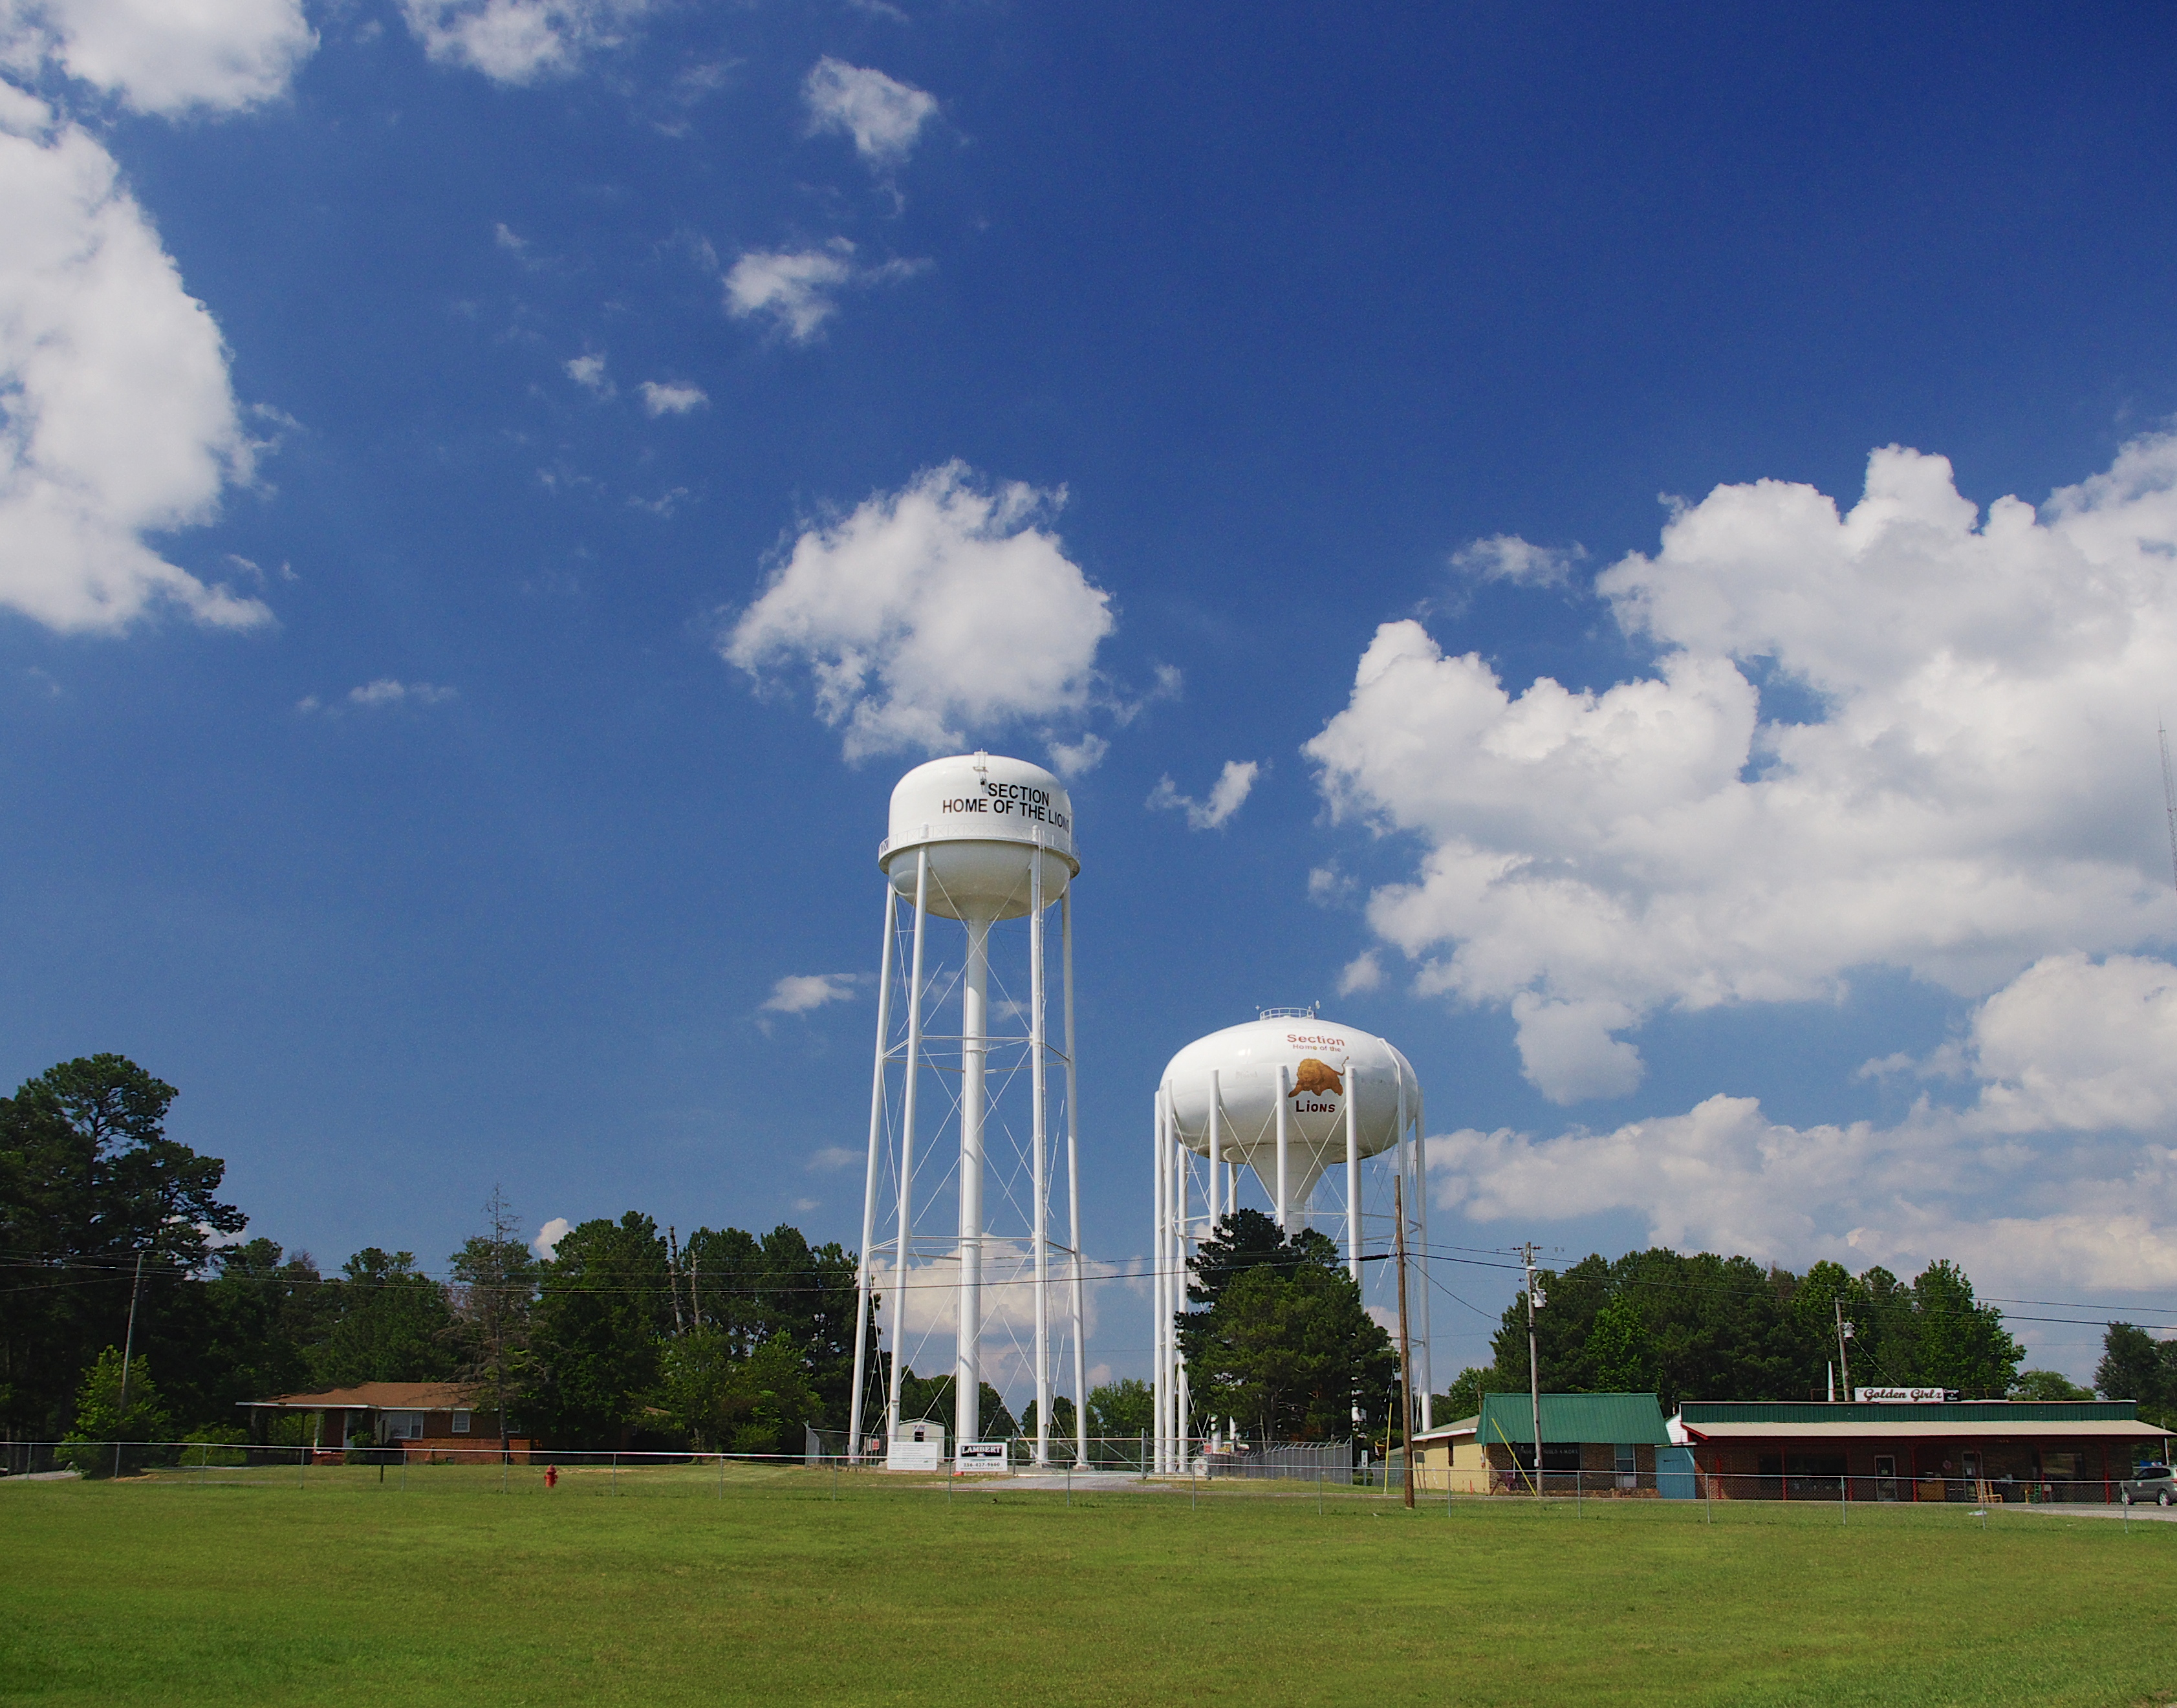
[1308,1461]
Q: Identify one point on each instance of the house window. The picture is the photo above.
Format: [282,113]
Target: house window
[460,1423]
[404,1426]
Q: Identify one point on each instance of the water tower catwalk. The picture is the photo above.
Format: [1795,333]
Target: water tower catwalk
[1289,1095]
[983,841]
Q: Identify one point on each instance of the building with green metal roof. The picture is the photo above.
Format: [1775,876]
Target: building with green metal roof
[1600,1444]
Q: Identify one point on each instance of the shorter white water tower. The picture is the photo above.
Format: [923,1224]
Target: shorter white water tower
[1290,1097]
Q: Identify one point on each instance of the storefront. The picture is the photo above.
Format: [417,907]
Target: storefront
[1977,1451]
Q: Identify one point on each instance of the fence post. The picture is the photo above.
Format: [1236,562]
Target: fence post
[615,1471]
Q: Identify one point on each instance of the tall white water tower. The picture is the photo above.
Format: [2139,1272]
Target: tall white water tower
[983,841]
[1289,1096]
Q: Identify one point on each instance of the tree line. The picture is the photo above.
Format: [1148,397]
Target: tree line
[1703,1326]
[628,1336]
[625,1336]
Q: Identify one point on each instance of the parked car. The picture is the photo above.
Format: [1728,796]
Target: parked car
[2149,1482]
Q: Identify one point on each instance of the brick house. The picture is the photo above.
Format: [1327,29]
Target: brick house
[429,1422]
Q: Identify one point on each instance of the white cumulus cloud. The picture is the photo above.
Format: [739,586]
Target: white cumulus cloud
[116,417]
[919,1311]
[1073,759]
[930,612]
[797,289]
[545,1245]
[519,41]
[1507,558]
[2073,1044]
[588,372]
[671,398]
[1973,793]
[387,691]
[1226,795]
[800,992]
[1364,972]
[163,57]
[883,114]
[2060,1173]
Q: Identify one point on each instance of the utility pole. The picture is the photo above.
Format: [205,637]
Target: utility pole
[127,1352]
[1843,1334]
[1534,1361]
[1406,1344]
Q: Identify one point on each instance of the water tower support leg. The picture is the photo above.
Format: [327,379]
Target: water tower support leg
[974,1007]
[1421,1229]
[1352,1182]
[906,1143]
[869,1179]
[1216,1140]
[1175,1219]
[1157,1282]
[1040,1137]
[1073,1187]
[1284,1149]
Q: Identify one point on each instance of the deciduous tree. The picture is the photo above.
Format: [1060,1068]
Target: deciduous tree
[602,1315]
[1125,1407]
[388,1322]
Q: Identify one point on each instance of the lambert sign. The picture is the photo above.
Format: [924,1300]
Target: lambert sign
[1902,1396]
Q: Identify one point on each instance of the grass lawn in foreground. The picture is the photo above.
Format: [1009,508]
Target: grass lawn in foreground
[765,1588]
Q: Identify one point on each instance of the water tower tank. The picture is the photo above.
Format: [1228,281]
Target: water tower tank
[1324,1064]
[981,815]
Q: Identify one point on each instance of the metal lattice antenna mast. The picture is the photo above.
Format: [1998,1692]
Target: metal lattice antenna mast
[2169,797]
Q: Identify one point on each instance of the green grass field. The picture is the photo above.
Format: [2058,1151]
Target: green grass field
[658,1588]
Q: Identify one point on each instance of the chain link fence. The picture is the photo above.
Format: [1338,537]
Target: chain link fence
[1320,1475]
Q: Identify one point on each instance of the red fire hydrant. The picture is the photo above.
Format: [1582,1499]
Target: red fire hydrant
[551,1476]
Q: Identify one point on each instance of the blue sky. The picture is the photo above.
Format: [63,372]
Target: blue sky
[488,489]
